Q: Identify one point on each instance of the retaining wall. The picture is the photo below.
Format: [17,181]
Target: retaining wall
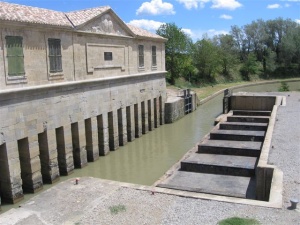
[48,130]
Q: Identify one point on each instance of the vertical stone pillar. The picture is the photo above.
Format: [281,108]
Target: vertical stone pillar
[151,114]
[113,130]
[91,134]
[10,173]
[103,135]
[48,156]
[156,112]
[161,111]
[145,124]
[64,150]
[79,144]
[137,120]
[30,164]
[122,126]
[130,123]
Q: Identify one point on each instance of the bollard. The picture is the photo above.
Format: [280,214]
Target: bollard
[294,203]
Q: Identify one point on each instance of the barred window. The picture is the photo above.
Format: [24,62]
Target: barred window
[108,56]
[55,55]
[141,56]
[15,56]
[154,56]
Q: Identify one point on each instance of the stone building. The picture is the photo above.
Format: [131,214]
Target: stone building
[73,86]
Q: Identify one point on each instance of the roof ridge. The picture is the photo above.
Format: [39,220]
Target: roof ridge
[81,10]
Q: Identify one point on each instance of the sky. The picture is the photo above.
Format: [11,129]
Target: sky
[195,17]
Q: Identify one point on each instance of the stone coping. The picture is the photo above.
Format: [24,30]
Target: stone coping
[245,85]
[79,82]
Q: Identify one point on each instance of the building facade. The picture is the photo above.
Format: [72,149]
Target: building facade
[73,86]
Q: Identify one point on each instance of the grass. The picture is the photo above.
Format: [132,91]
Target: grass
[207,90]
[117,209]
[238,221]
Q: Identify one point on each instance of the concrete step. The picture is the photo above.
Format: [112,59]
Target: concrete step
[240,187]
[237,135]
[248,119]
[220,164]
[242,148]
[251,113]
[243,126]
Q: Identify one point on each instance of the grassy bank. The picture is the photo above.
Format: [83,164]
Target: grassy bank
[205,91]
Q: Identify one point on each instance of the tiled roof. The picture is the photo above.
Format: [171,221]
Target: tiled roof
[82,16]
[22,13]
[143,33]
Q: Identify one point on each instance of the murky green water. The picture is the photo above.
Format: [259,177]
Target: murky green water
[147,158]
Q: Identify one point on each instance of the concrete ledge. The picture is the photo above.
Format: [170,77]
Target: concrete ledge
[175,107]
[269,178]
[195,195]
[245,85]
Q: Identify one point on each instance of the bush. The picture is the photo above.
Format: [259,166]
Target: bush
[284,87]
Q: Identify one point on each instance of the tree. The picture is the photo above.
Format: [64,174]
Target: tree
[227,52]
[206,59]
[249,66]
[290,47]
[177,50]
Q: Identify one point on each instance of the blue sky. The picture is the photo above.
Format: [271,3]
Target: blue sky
[196,17]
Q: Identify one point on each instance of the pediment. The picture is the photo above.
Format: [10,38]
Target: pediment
[108,23]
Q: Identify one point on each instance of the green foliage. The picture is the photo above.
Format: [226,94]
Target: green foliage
[249,67]
[261,49]
[177,49]
[284,87]
[206,60]
[117,208]
[238,221]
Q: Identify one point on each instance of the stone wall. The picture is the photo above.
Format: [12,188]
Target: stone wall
[48,130]
[82,55]
[175,107]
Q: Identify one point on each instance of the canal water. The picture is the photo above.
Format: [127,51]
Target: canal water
[147,158]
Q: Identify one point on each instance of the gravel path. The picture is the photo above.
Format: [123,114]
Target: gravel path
[90,201]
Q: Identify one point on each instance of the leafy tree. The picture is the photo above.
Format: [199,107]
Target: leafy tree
[177,51]
[206,59]
[290,47]
[227,52]
[269,62]
[239,40]
[249,66]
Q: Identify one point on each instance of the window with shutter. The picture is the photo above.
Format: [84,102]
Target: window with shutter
[154,56]
[15,56]
[55,55]
[141,55]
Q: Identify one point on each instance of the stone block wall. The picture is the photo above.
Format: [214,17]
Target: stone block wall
[49,130]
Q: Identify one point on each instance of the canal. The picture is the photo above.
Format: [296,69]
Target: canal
[147,158]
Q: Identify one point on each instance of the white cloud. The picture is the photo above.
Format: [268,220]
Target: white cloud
[273,6]
[188,31]
[297,21]
[150,25]
[200,34]
[156,7]
[189,4]
[225,4]
[287,5]
[226,17]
